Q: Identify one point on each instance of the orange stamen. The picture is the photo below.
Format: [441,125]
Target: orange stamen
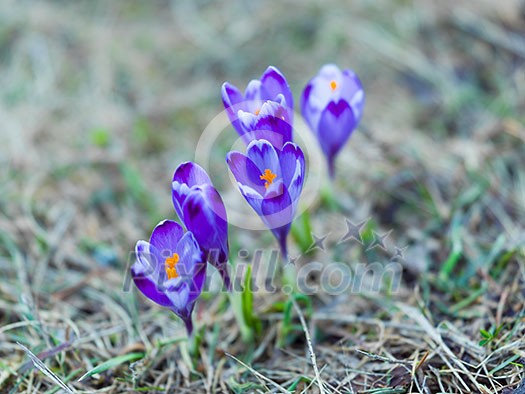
[333,85]
[257,112]
[170,264]
[268,176]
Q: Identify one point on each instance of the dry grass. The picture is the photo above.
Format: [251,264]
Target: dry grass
[102,100]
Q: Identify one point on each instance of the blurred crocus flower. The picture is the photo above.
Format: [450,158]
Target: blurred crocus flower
[271,180]
[264,111]
[332,105]
[170,269]
[201,209]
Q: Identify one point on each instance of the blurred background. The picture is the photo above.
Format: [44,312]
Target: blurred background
[100,101]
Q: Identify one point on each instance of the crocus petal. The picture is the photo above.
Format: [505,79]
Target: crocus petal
[352,91]
[245,171]
[310,114]
[183,294]
[255,95]
[187,175]
[293,168]
[274,189]
[252,197]
[191,174]
[276,117]
[276,139]
[247,120]
[233,101]
[193,270]
[205,217]
[275,83]
[231,95]
[305,96]
[278,213]
[190,255]
[272,87]
[271,124]
[291,155]
[323,92]
[330,72]
[179,297]
[248,192]
[220,226]
[264,156]
[165,237]
[335,126]
[179,193]
[277,209]
[296,184]
[182,304]
[197,283]
[148,273]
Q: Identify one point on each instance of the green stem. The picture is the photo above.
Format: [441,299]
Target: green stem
[289,277]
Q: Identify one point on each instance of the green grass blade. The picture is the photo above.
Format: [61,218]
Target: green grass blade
[112,363]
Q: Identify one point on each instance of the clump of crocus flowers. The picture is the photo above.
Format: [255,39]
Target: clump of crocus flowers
[170,269]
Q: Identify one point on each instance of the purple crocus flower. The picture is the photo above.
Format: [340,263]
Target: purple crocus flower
[170,269]
[202,211]
[332,105]
[271,180]
[264,111]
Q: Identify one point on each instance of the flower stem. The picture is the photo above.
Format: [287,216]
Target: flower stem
[194,343]
[189,326]
[290,277]
[331,168]
[284,249]
[190,348]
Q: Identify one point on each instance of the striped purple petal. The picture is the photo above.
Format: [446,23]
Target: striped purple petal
[148,273]
[165,237]
[265,106]
[336,125]
[205,217]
